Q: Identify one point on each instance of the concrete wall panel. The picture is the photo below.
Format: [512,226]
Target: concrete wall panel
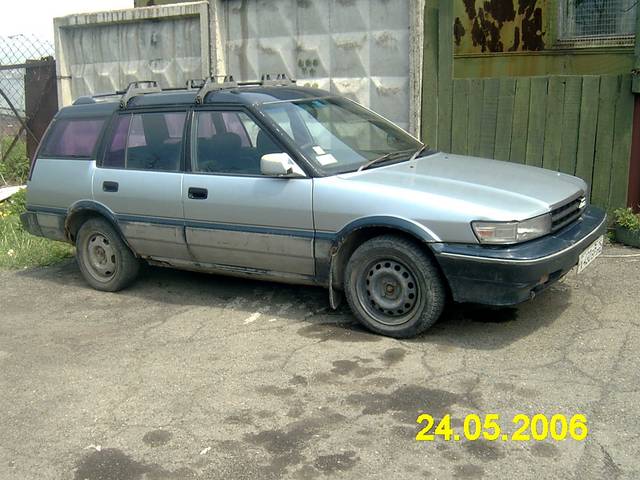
[104,52]
[359,48]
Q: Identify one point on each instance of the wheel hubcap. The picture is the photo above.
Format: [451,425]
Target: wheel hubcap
[101,257]
[388,291]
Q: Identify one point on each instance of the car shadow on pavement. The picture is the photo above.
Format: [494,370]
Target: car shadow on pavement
[461,325]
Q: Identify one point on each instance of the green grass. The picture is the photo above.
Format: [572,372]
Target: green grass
[18,248]
[15,168]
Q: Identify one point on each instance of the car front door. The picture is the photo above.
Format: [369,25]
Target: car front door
[140,180]
[235,216]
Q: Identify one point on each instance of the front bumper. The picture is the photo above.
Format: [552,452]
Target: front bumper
[508,275]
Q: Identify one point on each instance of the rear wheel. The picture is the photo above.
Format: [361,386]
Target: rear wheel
[105,261]
[393,287]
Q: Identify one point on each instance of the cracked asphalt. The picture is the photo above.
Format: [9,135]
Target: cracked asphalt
[194,376]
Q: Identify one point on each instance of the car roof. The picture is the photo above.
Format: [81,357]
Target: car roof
[242,95]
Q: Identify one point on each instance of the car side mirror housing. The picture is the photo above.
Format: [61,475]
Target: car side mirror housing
[279,165]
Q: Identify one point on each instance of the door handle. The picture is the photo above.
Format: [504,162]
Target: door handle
[198,193]
[109,186]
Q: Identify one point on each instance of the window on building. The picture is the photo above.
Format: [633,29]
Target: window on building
[597,22]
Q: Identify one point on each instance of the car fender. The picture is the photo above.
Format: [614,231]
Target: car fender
[405,225]
[410,227]
[83,206]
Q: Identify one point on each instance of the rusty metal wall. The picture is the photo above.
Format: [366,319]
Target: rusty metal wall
[103,52]
[497,38]
[501,25]
[357,48]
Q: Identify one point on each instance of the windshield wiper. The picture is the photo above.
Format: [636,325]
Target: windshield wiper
[417,154]
[389,155]
[375,160]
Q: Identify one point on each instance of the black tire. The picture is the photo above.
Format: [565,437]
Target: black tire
[105,261]
[393,287]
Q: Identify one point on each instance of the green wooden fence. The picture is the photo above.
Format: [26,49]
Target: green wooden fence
[580,125]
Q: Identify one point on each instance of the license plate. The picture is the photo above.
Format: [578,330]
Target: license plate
[590,254]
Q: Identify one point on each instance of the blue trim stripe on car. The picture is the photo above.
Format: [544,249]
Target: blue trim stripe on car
[204,225]
[230,227]
[56,210]
[288,232]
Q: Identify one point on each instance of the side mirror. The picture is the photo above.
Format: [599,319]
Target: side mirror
[278,165]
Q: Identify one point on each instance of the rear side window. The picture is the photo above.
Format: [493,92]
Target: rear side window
[73,137]
[146,141]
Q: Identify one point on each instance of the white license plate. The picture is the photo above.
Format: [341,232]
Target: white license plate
[590,254]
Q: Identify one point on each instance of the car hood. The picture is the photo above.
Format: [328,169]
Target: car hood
[492,189]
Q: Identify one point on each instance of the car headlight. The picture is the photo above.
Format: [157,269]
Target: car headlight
[512,232]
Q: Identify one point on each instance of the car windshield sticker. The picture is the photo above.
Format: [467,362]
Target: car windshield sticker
[319,150]
[327,159]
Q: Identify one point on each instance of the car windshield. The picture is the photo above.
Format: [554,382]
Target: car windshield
[338,135]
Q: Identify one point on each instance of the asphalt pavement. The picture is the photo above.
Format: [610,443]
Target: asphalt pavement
[187,375]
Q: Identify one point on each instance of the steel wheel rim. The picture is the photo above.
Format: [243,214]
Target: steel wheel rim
[101,260]
[387,289]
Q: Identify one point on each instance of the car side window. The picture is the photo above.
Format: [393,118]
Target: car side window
[74,138]
[146,141]
[229,142]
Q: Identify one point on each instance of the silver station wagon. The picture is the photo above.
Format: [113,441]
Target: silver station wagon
[273,181]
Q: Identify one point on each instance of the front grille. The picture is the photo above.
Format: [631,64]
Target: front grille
[567,213]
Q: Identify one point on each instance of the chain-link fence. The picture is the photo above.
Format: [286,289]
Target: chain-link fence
[597,22]
[27,77]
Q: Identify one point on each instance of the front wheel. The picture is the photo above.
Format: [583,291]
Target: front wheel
[393,287]
[105,261]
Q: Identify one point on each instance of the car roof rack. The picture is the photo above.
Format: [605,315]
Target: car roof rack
[280,80]
[203,86]
[139,88]
[212,84]
[221,82]
[195,83]
[96,98]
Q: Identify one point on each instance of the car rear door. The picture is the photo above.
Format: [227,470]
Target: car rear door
[139,178]
[234,216]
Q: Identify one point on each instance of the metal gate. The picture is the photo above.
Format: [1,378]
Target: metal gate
[28,98]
